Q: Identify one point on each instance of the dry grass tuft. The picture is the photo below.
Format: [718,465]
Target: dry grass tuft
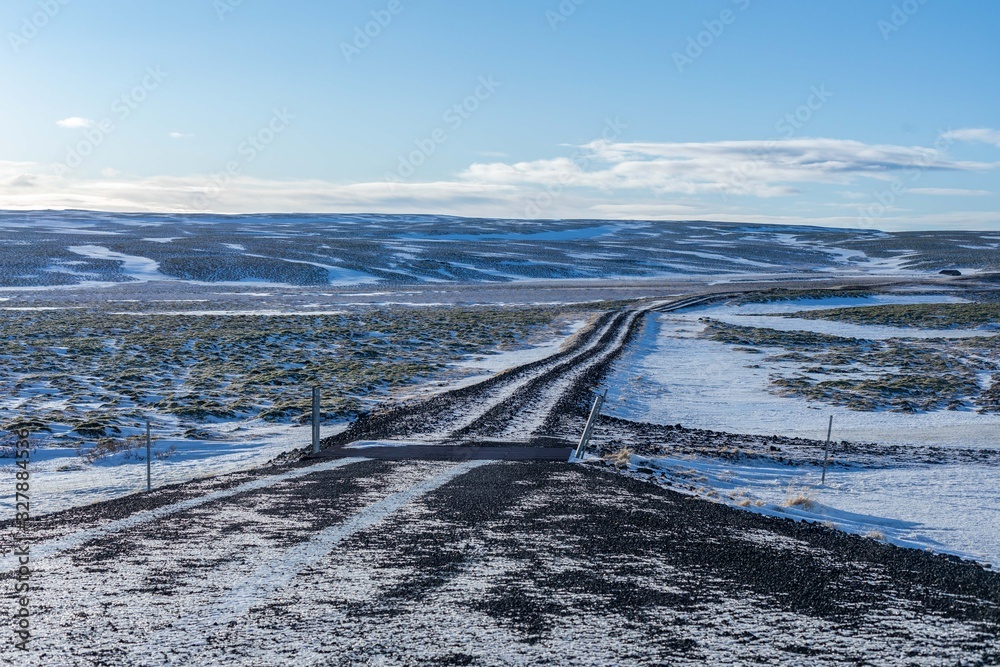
[875,535]
[799,498]
[621,458]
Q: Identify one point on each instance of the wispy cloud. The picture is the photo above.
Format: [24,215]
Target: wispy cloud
[950,192]
[603,179]
[75,123]
[984,135]
[755,168]
[179,135]
[22,181]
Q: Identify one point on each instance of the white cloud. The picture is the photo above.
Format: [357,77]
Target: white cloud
[755,168]
[179,135]
[853,194]
[22,181]
[984,135]
[950,192]
[75,123]
[602,179]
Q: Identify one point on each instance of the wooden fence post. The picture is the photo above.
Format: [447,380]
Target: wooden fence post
[315,420]
[826,450]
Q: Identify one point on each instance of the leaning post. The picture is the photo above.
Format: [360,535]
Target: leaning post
[315,420]
[149,455]
[826,450]
[588,429]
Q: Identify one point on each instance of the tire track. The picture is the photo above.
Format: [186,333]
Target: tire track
[190,569]
[525,413]
[522,403]
[276,573]
[437,416]
[73,540]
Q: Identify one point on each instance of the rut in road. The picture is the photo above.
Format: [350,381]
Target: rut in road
[210,563]
[438,416]
[540,399]
[526,412]
[275,573]
[552,404]
[78,538]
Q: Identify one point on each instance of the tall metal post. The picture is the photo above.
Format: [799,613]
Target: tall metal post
[594,413]
[315,420]
[149,455]
[826,450]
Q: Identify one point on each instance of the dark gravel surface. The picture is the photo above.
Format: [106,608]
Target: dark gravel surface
[505,563]
[440,414]
[613,433]
[465,452]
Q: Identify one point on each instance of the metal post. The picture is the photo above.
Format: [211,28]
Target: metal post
[826,450]
[149,451]
[594,413]
[315,420]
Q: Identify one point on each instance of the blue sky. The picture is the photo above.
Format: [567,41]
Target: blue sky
[872,113]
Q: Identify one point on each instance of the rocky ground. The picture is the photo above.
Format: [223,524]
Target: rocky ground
[415,563]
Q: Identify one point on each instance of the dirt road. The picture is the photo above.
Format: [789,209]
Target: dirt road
[355,561]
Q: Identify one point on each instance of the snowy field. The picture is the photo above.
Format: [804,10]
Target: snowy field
[62,478]
[46,250]
[674,375]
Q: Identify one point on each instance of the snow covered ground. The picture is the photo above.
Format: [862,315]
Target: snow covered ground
[61,479]
[673,376]
[58,249]
[951,509]
[137,268]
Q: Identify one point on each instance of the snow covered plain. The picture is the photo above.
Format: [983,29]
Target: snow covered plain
[63,477]
[673,375]
[61,480]
[78,248]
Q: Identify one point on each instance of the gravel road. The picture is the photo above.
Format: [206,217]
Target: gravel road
[487,563]
[355,561]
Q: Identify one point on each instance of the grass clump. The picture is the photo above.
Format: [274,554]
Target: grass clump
[107,447]
[799,498]
[898,374]
[620,458]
